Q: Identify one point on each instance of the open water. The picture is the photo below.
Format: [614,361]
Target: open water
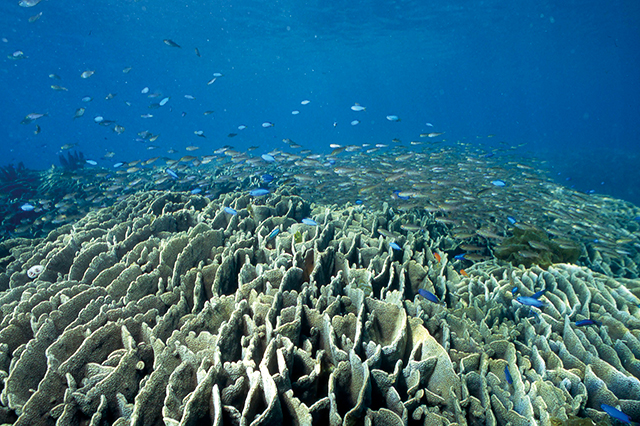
[558,79]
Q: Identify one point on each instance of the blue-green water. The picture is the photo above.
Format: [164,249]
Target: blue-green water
[560,77]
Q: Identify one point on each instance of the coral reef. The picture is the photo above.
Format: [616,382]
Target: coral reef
[73,161]
[18,181]
[167,309]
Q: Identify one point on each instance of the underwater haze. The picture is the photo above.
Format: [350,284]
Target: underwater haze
[559,80]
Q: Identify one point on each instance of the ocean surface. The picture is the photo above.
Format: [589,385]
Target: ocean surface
[558,80]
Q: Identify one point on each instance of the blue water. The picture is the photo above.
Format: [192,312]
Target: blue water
[560,77]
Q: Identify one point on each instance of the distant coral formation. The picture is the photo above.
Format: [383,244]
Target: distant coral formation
[167,308]
[73,161]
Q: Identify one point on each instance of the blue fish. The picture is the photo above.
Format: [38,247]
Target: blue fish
[498,182]
[586,322]
[512,220]
[459,256]
[268,158]
[395,246]
[230,211]
[26,207]
[537,294]
[273,234]
[533,314]
[309,222]
[196,191]
[615,413]
[396,192]
[358,202]
[259,192]
[514,290]
[507,375]
[530,301]
[428,295]
[170,172]
[267,177]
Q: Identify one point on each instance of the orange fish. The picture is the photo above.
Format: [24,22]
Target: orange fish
[463,273]
[437,256]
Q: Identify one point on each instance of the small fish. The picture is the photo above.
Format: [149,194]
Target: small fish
[59,88]
[37,130]
[428,295]
[259,192]
[118,164]
[512,220]
[170,172]
[79,113]
[358,107]
[310,222]
[393,118]
[387,234]
[273,234]
[507,375]
[164,101]
[87,74]
[26,207]
[171,43]
[305,102]
[32,117]
[213,80]
[231,135]
[197,52]
[55,76]
[411,227]
[28,3]
[230,211]
[192,148]
[18,54]
[615,413]
[438,257]
[585,322]
[355,122]
[498,183]
[538,294]
[395,246]
[295,112]
[463,273]
[87,99]
[126,70]
[92,162]
[199,133]
[267,124]
[459,256]
[145,90]
[530,301]
[514,290]
[68,146]
[268,158]
[242,127]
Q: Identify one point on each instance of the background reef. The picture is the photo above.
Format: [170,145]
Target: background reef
[173,308]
